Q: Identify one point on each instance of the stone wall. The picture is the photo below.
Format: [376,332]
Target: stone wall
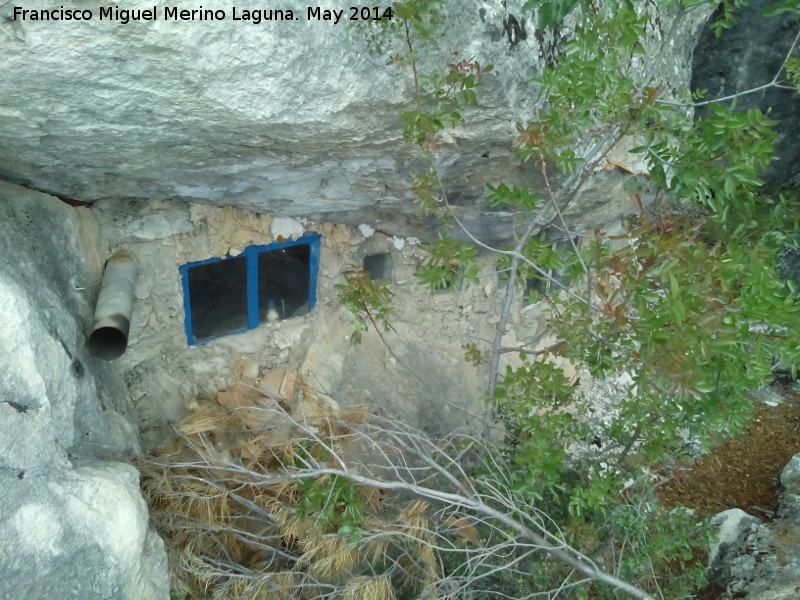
[420,377]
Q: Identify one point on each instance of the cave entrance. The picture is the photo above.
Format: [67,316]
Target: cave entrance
[223,296]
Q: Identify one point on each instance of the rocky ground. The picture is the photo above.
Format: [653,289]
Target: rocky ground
[750,484]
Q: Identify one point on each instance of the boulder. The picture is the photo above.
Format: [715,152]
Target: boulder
[790,476]
[734,525]
[73,523]
[78,532]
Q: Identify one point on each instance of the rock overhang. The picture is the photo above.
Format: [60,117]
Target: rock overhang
[289,117]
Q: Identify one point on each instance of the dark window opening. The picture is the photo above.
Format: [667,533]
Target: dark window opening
[538,284]
[262,284]
[219,297]
[379,266]
[283,278]
[545,286]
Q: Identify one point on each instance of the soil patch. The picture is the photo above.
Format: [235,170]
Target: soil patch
[742,472]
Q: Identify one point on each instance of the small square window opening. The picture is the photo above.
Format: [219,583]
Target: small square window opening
[379,266]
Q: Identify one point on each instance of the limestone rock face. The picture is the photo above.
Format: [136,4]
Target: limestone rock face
[71,525]
[291,117]
[56,397]
[285,116]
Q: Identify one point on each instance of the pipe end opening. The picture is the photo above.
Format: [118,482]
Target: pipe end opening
[107,343]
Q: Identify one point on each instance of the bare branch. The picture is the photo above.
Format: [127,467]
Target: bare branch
[774,82]
[502,529]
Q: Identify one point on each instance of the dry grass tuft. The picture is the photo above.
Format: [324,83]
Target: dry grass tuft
[224,495]
[369,588]
[330,557]
[464,529]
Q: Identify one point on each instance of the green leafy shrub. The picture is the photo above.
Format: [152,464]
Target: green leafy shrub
[687,302]
[448,263]
[369,300]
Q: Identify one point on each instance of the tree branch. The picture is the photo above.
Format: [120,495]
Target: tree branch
[395,458]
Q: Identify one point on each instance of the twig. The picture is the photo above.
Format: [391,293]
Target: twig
[774,82]
[549,350]
[413,60]
[383,339]
[570,237]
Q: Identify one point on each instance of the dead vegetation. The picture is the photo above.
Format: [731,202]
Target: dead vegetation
[241,522]
[265,497]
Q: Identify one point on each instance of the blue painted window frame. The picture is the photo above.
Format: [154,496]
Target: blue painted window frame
[251,254]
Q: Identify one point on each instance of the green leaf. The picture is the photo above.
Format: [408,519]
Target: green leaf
[551,12]
[787,6]
[629,39]
[403,10]
[705,386]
